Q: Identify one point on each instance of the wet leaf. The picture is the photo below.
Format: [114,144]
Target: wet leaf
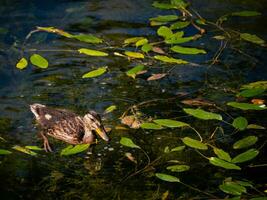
[71,150]
[246,13]
[179,40]
[245,142]
[179,148]
[95,73]
[168,178]
[110,109]
[222,154]
[36,148]
[39,61]
[134,54]
[91,52]
[24,150]
[187,50]
[170,59]
[164,31]
[132,40]
[194,143]
[4,152]
[89,38]
[252,38]
[224,164]
[158,50]
[128,143]
[255,126]
[134,71]
[245,106]
[167,149]
[146,48]
[22,63]
[202,114]
[141,42]
[179,25]
[246,156]
[131,121]
[159,5]
[151,126]
[156,23]
[156,77]
[170,123]
[178,168]
[251,92]
[197,102]
[54,30]
[164,18]
[232,188]
[240,123]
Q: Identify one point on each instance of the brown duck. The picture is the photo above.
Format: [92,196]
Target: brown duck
[68,126]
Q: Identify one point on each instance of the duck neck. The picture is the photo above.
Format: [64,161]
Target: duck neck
[88,136]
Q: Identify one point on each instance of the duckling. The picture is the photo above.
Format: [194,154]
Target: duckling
[67,126]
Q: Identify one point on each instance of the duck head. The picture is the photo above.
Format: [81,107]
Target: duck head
[36,108]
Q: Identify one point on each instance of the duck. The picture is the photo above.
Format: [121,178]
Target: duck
[67,126]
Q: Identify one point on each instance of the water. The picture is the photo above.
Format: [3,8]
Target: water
[101,175]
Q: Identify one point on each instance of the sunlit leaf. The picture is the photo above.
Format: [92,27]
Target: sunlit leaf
[95,73]
[245,106]
[132,40]
[164,18]
[245,142]
[170,123]
[39,61]
[251,92]
[156,23]
[252,38]
[89,38]
[246,13]
[159,5]
[246,156]
[151,126]
[179,40]
[168,178]
[156,77]
[187,50]
[91,52]
[170,60]
[133,72]
[4,152]
[202,114]
[70,150]
[24,150]
[178,168]
[179,148]
[179,25]
[54,30]
[232,188]
[222,154]
[141,42]
[224,164]
[22,63]
[194,143]
[255,126]
[164,31]
[110,109]
[146,48]
[240,123]
[36,148]
[134,54]
[128,143]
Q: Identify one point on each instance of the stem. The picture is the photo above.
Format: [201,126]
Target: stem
[197,133]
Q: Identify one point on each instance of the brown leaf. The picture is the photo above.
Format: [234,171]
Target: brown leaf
[141,72]
[131,121]
[130,157]
[197,102]
[158,50]
[258,101]
[156,77]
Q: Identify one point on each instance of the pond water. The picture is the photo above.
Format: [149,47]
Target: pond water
[104,173]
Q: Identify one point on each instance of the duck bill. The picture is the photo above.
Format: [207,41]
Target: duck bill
[102,133]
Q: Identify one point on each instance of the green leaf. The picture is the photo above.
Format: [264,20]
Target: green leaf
[179,25]
[194,143]
[36,148]
[170,123]
[110,109]
[179,3]
[134,71]
[128,143]
[178,40]
[224,164]
[24,150]
[168,178]
[244,183]
[251,92]
[134,54]
[232,188]
[91,52]
[132,40]
[164,31]
[39,61]
[146,48]
[187,50]
[252,38]
[245,106]
[22,63]
[141,42]
[222,154]
[164,18]
[240,123]
[257,84]
[4,152]
[159,5]
[202,114]
[255,126]
[87,38]
[70,150]
[246,13]
[170,60]
[179,148]
[245,142]
[246,156]
[151,126]
[178,168]
[95,73]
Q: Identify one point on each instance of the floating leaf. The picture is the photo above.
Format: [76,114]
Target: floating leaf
[128,143]
[141,42]
[240,123]
[151,126]
[179,148]
[132,40]
[39,61]
[134,54]
[70,150]
[179,4]
[4,152]
[252,38]
[164,31]
[245,106]
[54,30]
[255,126]
[187,50]
[246,156]
[133,72]
[110,109]
[178,168]
[232,188]
[170,59]
[222,154]
[179,25]
[36,148]
[95,73]
[164,18]
[22,63]
[170,123]
[156,77]
[24,150]
[246,13]
[159,5]
[91,52]
[245,142]
[146,48]
[89,38]
[179,40]
[168,178]
[224,164]
[194,143]
[251,92]
[156,23]
[202,114]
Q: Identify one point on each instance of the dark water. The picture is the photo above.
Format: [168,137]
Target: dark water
[101,175]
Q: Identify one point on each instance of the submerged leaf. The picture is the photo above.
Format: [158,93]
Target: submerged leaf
[194,143]
[222,154]
[4,152]
[251,92]
[95,73]
[159,5]
[22,63]
[132,40]
[89,38]
[257,84]
[170,123]
[202,114]
[36,148]
[170,59]
[151,126]
[233,188]
[24,150]
[179,40]
[70,150]
[179,148]
[128,143]
[240,123]
[134,71]
[252,38]
[39,61]
[245,142]
[110,109]
[246,156]
[178,168]
[179,25]
[245,106]
[164,18]
[224,164]
[246,13]
[187,50]
[168,178]
[91,52]
[255,126]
